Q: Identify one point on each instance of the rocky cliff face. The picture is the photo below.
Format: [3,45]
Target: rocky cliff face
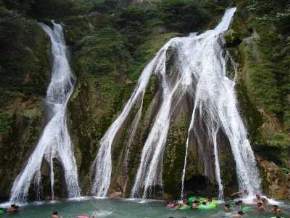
[259,43]
[24,69]
[110,44]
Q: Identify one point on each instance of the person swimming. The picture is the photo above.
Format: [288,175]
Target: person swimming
[227,208]
[276,210]
[13,209]
[239,204]
[261,207]
[195,204]
[54,214]
[185,202]
[171,204]
[209,200]
[258,198]
[239,214]
[182,203]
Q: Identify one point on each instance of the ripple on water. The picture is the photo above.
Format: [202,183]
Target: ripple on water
[102,213]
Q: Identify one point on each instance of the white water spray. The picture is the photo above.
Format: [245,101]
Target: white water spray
[55,142]
[200,73]
[216,95]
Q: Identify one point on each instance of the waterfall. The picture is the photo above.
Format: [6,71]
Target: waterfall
[103,163]
[216,96]
[149,172]
[199,72]
[55,142]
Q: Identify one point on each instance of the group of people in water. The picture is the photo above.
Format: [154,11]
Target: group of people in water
[13,209]
[261,205]
[193,203]
[236,208]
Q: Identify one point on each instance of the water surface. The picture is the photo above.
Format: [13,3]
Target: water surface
[125,209]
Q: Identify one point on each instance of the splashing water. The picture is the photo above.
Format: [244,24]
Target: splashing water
[55,142]
[199,72]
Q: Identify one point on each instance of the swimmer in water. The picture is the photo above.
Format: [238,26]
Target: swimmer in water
[13,209]
[239,214]
[276,210]
[55,214]
[260,207]
[227,208]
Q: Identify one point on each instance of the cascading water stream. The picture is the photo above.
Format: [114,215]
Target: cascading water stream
[217,165]
[149,173]
[102,166]
[200,72]
[133,130]
[215,93]
[55,142]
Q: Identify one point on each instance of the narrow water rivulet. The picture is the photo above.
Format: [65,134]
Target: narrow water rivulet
[199,72]
[55,142]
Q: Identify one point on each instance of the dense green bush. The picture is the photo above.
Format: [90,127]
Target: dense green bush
[283,22]
[183,15]
[102,53]
[264,27]
[132,23]
[20,6]
[261,7]
[108,6]
[49,8]
[5,122]
[23,54]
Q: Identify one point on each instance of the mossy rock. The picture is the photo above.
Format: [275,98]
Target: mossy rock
[23,56]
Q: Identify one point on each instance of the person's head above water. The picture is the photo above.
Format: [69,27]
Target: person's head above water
[184,201]
[276,209]
[227,207]
[241,213]
[14,206]
[12,209]
[265,200]
[54,214]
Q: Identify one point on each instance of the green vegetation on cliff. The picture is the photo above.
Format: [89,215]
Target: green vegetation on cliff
[109,50]
[264,64]
[259,43]
[111,41]
[24,70]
